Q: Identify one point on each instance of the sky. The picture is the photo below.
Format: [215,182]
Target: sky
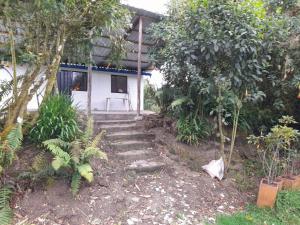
[158,6]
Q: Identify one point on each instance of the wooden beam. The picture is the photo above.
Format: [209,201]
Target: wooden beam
[89,87]
[139,69]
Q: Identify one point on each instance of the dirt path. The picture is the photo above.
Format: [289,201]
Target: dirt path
[175,195]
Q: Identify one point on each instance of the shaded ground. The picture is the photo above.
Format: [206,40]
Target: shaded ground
[176,195]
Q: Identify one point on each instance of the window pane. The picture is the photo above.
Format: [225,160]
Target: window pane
[79,81]
[118,84]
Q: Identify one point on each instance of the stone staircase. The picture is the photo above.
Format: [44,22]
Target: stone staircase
[129,142]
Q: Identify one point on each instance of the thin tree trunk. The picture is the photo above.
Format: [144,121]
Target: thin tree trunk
[139,66]
[89,105]
[14,65]
[233,135]
[220,125]
[54,66]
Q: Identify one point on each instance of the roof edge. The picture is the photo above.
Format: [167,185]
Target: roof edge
[102,69]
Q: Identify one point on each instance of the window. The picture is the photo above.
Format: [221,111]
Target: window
[69,81]
[118,84]
[79,81]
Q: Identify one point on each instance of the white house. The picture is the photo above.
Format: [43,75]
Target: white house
[112,89]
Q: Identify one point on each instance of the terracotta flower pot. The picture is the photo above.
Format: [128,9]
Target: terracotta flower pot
[267,193]
[296,184]
[279,182]
[288,182]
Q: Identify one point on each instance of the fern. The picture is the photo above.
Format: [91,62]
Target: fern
[86,171]
[6,213]
[57,151]
[91,151]
[88,131]
[76,152]
[58,142]
[8,147]
[15,137]
[39,162]
[97,139]
[4,196]
[75,183]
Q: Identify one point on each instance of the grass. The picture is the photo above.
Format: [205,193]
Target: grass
[286,212]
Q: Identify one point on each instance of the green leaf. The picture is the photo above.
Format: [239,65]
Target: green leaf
[57,163]
[86,171]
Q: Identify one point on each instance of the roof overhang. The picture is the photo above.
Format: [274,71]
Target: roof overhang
[102,45]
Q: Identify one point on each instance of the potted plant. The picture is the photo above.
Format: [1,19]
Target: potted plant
[275,152]
[288,138]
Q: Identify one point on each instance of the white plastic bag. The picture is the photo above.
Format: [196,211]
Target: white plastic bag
[215,168]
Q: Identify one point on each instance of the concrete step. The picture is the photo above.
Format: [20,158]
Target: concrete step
[118,127]
[123,146]
[129,135]
[134,154]
[145,166]
[113,122]
[113,116]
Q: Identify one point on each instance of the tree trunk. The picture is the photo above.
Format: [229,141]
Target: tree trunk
[54,66]
[139,66]
[89,97]
[233,134]
[14,65]
[220,125]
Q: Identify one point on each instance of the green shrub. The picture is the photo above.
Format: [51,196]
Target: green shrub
[76,155]
[150,101]
[192,129]
[57,119]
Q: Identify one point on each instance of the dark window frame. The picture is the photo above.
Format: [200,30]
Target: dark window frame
[119,85]
[66,81]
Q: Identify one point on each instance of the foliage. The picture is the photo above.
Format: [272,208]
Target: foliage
[150,102]
[46,32]
[286,211]
[277,148]
[192,129]
[76,156]
[9,144]
[57,119]
[222,55]
[6,213]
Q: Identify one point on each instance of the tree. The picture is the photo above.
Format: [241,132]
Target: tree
[217,53]
[42,30]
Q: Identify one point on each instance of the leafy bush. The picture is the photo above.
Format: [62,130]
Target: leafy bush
[192,129]
[150,101]
[57,119]
[76,155]
[286,211]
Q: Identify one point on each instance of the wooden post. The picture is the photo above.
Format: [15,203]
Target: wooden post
[139,72]
[89,87]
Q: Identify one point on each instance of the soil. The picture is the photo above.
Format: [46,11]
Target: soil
[179,194]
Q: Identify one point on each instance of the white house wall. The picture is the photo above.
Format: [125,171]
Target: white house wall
[21,69]
[101,90]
